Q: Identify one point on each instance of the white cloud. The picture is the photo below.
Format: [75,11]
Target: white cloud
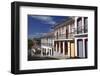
[36,35]
[45,19]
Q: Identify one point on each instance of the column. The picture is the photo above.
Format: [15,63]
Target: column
[46,51]
[63,47]
[59,47]
[75,47]
[83,47]
[69,31]
[69,49]
[64,31]
[48,42]
[82,24]
[61,33]
[75,24]
[41,52]
[56,46]
[51,52]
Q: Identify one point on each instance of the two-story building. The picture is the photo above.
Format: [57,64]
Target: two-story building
[47,43]
[71,37]
[64,38]
[81,36]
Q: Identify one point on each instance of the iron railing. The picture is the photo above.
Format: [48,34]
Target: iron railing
[65,36]
[81,29]
[47,44]
[78,30]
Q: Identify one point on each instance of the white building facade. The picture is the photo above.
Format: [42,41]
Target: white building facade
[64,39]
[71,38]
[47,43]
[68,39]
[81,36]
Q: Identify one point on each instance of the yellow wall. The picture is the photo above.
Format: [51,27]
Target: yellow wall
[73,49]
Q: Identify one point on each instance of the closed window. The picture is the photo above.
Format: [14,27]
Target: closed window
[80,47]
[79,25]
[86,24]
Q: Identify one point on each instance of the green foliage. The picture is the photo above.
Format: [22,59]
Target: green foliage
[37,40]
[30,44]
[34,42]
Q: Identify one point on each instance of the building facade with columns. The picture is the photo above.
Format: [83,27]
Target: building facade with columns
[64,43]
[47,43]
[71,38]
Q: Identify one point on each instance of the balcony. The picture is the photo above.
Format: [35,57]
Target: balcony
[65,36]
[81,30]
[78,30]
[47,44]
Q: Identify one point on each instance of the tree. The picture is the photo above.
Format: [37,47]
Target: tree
[30,44]
[37,41]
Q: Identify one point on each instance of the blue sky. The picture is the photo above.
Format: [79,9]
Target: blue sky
[40,24]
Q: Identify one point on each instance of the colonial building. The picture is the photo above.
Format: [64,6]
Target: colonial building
[64,38]
[47,43]
[81,36]
[69,39]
